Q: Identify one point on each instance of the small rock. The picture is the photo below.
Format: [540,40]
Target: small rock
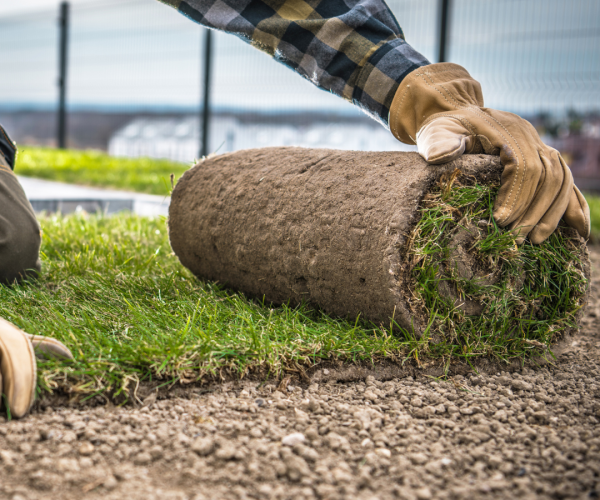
[440,409]
[383,452]
[143,458]
[47,435]
[423,494]
[156,452]
[7,457]
[366,443]
[301,416]
[312,433]
[86,449]
[418,458]
[226,452]
[255,432]
[293,439]
[370,396]
[501,415]
[521,385]
[203,446]
[297,468]
[110,483]
[260,402]
[306,452]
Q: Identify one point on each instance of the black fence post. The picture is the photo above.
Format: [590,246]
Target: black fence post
[444,15]
[63,24]
[205,117]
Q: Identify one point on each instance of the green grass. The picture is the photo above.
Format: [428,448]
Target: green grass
[94,168]
[114,293]
[525,296]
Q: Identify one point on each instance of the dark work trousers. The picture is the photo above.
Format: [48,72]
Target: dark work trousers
[20,235]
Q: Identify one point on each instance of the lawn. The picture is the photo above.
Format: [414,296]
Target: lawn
[112,290]
[115,294]
[94,168]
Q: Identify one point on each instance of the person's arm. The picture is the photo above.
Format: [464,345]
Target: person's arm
[355,50]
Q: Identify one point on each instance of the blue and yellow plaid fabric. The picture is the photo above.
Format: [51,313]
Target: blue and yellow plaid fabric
[353,48]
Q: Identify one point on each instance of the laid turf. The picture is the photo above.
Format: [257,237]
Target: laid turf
[94,168]
[113,291]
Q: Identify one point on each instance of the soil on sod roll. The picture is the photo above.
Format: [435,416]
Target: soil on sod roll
[380,235]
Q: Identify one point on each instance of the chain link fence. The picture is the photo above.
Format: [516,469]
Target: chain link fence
[134,81]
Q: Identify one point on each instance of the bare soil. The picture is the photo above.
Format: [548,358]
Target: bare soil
[529,433]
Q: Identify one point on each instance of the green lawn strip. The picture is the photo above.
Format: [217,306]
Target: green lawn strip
[114,293]
[94,168]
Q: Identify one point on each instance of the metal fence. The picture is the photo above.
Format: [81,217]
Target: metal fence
[134,75]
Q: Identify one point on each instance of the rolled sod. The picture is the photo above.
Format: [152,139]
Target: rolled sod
[383,236]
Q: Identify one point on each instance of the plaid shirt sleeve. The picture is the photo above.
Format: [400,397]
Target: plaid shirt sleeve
[352,48]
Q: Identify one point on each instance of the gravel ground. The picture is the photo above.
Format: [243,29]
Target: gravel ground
[532,433]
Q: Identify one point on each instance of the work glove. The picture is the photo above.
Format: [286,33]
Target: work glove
[440,109]
[18,369]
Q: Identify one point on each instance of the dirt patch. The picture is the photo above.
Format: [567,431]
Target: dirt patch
[532,433]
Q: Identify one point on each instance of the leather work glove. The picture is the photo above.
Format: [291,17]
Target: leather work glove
[18,369]
[440,109]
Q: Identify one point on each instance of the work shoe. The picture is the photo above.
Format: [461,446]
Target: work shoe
[18,368]
[440,109]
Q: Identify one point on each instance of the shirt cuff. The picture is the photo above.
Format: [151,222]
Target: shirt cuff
[382,74]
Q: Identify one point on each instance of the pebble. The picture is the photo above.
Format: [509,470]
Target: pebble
[293,439]
[226,452]
[203,446]
[86,449]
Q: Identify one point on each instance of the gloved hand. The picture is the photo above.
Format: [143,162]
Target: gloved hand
[440,109]
[18,369]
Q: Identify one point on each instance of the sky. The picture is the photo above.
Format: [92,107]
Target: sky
[23,6]
[529,55]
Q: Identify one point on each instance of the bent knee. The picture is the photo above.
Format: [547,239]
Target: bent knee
[20,235]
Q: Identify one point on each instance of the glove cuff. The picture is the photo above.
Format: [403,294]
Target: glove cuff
[429,90]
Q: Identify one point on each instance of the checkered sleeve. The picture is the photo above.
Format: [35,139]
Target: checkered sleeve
[352,48]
